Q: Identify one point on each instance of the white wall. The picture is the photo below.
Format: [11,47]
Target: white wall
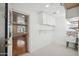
[60,31]
[39,38]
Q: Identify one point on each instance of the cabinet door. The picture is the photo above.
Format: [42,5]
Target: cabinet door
[19,45]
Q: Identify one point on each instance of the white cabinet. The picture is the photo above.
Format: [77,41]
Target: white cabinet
[47,19]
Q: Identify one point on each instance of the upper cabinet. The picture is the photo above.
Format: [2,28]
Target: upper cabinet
[47,19]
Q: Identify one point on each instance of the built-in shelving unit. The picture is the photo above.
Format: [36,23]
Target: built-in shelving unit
[20,33]
[74,23]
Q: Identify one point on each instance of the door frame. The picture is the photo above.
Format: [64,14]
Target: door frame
[6,28]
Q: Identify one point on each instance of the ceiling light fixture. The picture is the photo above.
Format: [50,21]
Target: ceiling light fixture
[23,16]
[47,5]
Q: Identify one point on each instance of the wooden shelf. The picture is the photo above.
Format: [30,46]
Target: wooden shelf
[14,23]
[19,34]
[74,22]
[75,28]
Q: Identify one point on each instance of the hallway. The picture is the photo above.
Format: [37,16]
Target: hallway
[54,50]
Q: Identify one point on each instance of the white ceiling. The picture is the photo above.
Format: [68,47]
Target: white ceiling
[54,7]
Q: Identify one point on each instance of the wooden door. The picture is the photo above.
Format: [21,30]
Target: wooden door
[20,34]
